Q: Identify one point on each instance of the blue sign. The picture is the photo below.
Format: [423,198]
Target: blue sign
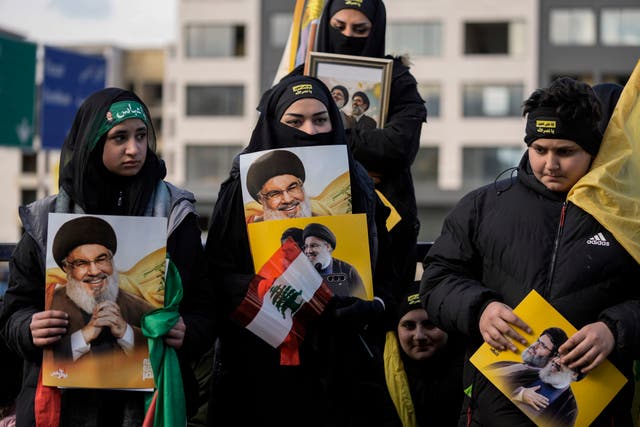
[69,78]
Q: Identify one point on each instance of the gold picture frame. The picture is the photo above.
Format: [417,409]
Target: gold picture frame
[356,74]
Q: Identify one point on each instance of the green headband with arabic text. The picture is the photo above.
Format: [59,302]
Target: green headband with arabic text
[118,113]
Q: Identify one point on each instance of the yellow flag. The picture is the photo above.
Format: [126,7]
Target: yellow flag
[610,191]
[305,14]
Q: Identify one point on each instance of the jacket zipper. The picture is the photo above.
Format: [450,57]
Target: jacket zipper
[554,255]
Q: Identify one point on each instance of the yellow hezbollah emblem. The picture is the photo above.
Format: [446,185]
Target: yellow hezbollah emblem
[302,89]
[353,3]
[546,126]
[413,299]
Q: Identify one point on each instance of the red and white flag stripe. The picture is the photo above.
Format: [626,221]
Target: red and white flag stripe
[282,298]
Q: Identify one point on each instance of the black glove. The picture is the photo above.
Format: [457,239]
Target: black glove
[356,312]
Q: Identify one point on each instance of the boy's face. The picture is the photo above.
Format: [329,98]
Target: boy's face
[558,163]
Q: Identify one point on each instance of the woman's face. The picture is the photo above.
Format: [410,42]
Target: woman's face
[558,163]
[308,115]
[125,148]
[418,337]
[351,23]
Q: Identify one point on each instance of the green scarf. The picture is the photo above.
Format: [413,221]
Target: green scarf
[166,406]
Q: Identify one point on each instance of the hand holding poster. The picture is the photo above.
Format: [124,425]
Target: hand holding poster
[535,379]
[104,272]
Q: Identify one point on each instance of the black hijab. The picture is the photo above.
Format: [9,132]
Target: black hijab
[83,176]
[329,40]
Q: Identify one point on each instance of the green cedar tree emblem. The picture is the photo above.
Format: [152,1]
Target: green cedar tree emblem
[284,296]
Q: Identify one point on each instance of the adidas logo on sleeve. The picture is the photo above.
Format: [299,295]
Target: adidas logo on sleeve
[599,240]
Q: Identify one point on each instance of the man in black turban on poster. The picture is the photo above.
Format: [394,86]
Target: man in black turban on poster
[359,105]
[276,181]
[102,317]
[343,279]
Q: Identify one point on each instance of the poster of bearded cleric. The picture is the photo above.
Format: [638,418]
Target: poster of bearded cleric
[105,272]
[550,393]
[295,182]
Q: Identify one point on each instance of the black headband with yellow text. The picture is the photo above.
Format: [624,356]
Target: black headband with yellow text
[544,122]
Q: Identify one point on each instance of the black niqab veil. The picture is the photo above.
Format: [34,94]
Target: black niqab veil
[374,45]
[83,176]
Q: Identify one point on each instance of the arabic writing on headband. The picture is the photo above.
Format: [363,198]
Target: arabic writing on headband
[130,112]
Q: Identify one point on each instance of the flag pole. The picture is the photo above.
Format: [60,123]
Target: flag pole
[310,46]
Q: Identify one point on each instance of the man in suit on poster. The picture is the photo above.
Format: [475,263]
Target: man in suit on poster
[343,279]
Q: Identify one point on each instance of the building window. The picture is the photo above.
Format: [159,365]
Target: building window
[280,24]
[492,100]
[483,165]
[29,162]
[414,38]
[27,196]
[431,95]
[572,27]
[209,164]
[425,166]
[431,218]
[213,41]
[486,38]
[494,38]
[620,27]
[152,94]
[215,100]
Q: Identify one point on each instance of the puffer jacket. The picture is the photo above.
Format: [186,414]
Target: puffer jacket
[505,239]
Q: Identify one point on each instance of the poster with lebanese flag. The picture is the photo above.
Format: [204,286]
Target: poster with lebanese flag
[282,298]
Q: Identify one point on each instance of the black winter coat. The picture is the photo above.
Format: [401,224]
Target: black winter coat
[508,238]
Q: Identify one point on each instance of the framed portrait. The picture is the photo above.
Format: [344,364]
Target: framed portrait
[359,85]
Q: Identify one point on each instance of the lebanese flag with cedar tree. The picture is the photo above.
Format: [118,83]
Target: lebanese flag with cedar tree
[283,297]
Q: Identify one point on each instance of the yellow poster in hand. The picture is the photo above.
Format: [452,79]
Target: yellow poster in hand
[335,245]
[534,379]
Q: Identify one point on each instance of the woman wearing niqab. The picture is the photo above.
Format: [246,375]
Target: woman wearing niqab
[329,387]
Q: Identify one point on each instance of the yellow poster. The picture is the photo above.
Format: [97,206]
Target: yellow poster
[535,380]
[105,272]
[335,245]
